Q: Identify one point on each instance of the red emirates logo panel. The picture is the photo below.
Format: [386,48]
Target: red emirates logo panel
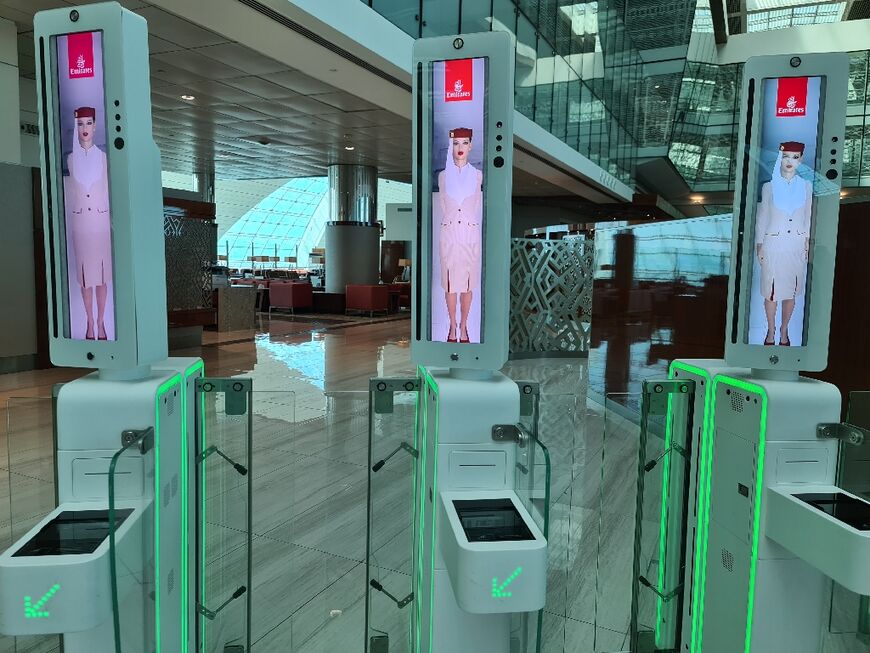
[458,80]
[80,48]
[791,97]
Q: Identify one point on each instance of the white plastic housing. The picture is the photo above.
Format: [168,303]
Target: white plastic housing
[135,190]
[838,550]
[83,600]
[481,573]
[813,356]
[492,352]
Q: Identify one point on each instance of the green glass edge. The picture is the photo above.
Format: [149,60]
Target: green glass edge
[163,389]
[414,474]
[702,491]
[421,510]
[663,523]
[431,382]
[203,515]
[185,509]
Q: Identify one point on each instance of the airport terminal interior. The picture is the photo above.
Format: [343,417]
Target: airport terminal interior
[469,326]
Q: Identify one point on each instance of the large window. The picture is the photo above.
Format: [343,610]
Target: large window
[279,224]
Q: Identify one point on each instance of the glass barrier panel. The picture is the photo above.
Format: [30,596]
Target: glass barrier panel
[392,461]
[27,487]
[133,559]
[849,619]
[614,508]
[532,480]
[224,472]
[319,502]
[661,514]
[30,461]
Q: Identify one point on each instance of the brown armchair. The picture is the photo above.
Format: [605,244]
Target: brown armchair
[290,294]
[367,298]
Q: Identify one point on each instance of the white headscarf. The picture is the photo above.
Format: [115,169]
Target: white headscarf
[459,183]
[86,166]
[788,196]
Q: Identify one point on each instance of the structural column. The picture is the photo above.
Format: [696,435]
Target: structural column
[10,103]
[352,233]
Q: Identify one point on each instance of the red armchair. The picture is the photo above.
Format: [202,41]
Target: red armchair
[290,294]
[404,291]
[367,298]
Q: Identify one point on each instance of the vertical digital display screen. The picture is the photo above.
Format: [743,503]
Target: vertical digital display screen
[784,211]
[88,308]
[458,102]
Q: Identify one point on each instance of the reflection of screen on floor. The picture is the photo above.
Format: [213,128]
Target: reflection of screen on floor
[458,93]
[784,211]
[82,163]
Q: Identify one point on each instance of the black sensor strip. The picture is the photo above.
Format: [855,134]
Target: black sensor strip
[47,172]
[418,271]
[741,213]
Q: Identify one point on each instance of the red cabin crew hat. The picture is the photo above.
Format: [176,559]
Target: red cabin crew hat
[86,112]
[791,146]
[460,132]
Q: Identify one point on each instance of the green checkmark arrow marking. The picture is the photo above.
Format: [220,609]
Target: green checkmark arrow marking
[498,591]
[34,610]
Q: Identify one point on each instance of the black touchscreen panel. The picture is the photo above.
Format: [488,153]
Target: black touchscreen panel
[491,520]
[849,510]
[72,532]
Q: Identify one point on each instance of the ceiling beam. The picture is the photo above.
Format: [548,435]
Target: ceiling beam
[720,24]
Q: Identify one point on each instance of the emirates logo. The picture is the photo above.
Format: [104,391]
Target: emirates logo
[458,92]
[791,108]
[82,69]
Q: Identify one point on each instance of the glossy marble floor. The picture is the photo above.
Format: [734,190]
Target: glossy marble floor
[310,481]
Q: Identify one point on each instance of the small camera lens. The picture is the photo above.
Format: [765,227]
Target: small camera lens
[74,15]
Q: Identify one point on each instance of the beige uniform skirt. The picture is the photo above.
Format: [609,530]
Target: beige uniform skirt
[784,266]
[460,256]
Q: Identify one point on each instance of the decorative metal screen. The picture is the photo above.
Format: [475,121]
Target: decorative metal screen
[191,249]
[551,295]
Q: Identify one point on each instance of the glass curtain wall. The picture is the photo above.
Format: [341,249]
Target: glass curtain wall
[704,144]
[577,69]
[579,75]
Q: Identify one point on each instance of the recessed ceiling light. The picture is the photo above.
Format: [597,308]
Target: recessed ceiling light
[657,86]
[349,148]
[188,97]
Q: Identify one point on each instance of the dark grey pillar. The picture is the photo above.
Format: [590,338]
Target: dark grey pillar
[352,233]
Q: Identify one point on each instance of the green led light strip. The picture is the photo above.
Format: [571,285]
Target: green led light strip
[705,446]
[199,366]
[175,379]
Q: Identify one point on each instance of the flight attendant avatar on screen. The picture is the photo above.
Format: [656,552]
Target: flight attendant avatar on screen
[458,140]
[81,99]
[784,212]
